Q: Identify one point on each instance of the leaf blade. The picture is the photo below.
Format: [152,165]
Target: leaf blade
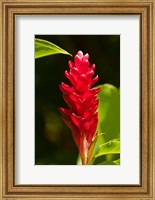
[46,48]
[108,153]
[117,162]
[111,147]
[109,112]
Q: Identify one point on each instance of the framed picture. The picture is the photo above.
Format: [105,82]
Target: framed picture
[77,100]
[62,150]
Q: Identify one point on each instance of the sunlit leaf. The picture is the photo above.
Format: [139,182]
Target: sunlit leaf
[109,151]
[107,162]
[109,112]
[78,161]
[45,48]
[117,162]
[111,147]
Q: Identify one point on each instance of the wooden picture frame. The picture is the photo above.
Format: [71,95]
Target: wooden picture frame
[145,9]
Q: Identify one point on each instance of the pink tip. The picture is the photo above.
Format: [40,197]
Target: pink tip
[80,54]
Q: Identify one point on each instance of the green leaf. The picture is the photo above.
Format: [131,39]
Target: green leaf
[109,112]
[117,162]
[108,153]
[107,162]
[78,161]
[111,147]
[45,48]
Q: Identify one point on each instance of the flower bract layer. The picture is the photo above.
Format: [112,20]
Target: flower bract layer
[81,116]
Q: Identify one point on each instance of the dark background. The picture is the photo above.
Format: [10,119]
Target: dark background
[53,140]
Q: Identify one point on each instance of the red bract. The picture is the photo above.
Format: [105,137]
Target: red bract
[81,116]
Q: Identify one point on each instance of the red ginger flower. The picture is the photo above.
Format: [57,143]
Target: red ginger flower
[81,116]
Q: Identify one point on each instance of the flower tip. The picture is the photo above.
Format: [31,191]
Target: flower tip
[61,109]
[80,54]
[70,64]
[62,86]
[96,78]
[86,56]
[93,66]
[66,74]
[99,89]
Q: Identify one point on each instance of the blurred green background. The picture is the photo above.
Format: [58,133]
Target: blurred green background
[54,144]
